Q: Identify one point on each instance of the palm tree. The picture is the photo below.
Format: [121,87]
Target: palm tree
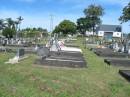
[2,25]
[18,22]
[10,23]
[19,19]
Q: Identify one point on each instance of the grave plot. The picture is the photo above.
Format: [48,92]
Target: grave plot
[60,59]
[125,74]
[118,62]
[106,52]
[67,53]
[71,45]
[62,62]
[57,54]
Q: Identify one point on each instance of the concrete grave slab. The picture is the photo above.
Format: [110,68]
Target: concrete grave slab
[63,59]
[106,52]
[125,74]
[118,62]
[62,63]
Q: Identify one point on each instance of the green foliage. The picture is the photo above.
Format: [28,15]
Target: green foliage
[10,27]
[65,27]
[126,14]
[10,23]
[93,14]
[34,32]
[86,24]
[8,32]
[83,24]
[94,11]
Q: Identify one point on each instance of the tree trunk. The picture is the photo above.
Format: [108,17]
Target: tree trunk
[93,34]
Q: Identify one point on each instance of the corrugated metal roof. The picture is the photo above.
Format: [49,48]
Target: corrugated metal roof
[116,28]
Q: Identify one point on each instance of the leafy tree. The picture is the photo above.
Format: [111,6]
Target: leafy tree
[93,14]
[83,24]
[8,32]
[66,27]
[56,30]
[126,14]
[10,23]
[9,28]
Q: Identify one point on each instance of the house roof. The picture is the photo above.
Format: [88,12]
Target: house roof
[116,28]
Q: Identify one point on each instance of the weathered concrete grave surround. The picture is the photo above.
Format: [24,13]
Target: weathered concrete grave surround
[106,52]
[62,58]
[124,62]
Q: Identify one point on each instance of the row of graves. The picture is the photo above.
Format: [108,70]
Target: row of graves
[56,53]
[61,53]
[116,55]
[13,44]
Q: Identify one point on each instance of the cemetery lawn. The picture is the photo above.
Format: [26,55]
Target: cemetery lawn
[29,80]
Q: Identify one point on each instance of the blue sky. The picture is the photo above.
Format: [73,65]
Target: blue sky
[36,13]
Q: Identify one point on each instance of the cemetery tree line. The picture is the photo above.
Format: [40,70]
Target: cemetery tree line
[89,22]
[65,27]
[91,19]
[10,27]
[33,32]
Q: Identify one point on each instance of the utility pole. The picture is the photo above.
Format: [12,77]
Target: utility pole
[51,23]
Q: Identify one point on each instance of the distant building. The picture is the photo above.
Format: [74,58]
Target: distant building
[109,31]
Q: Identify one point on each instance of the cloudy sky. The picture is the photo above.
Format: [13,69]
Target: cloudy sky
[36,13]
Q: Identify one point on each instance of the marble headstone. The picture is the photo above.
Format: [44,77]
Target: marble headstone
[116,47]
[55,46]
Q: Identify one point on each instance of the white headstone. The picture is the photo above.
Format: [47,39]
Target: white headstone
[116,47]
[128,51]
[55,46]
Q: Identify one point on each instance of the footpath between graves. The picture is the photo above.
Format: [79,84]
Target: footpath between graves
[28,80]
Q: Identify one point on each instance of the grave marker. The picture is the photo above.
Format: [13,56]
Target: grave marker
[20,53]
[43,52]
[19,56]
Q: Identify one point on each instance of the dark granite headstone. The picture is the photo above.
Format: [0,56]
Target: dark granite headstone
[20,53]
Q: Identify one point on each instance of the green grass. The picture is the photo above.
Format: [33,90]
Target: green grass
[29,80]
